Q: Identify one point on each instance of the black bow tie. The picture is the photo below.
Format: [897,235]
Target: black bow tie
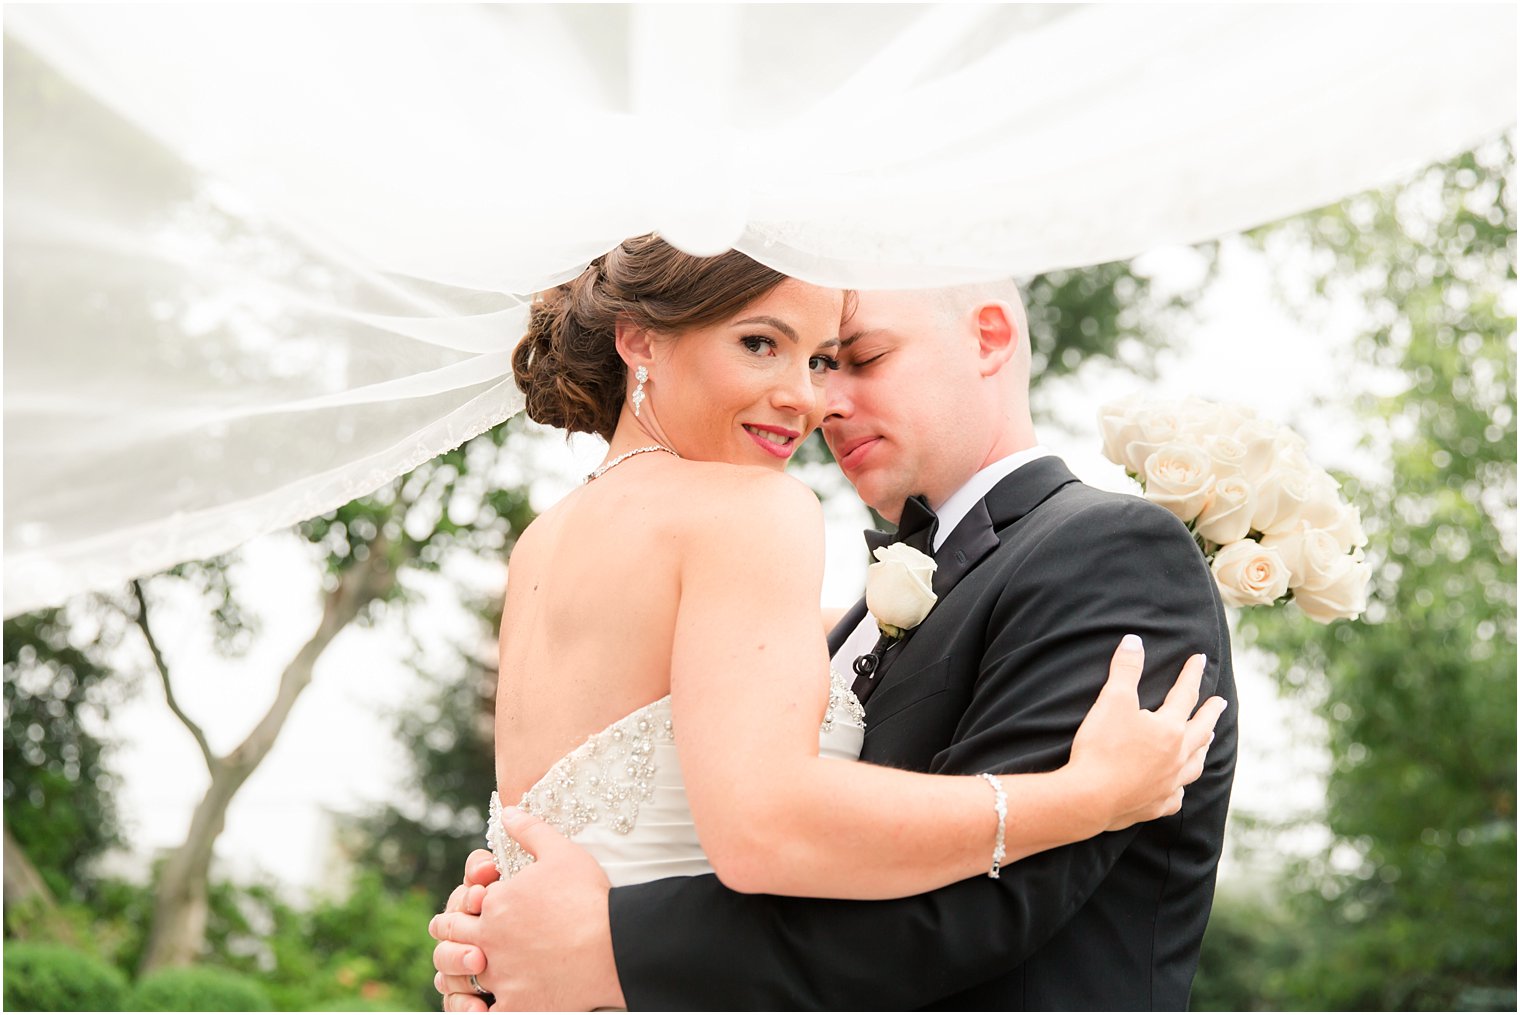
[916,528]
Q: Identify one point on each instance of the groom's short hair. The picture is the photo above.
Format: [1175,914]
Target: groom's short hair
[955,300]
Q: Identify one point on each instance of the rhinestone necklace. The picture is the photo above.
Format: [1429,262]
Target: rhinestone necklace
[620,459]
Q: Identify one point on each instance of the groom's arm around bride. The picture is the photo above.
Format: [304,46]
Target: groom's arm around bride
[1009,660]
[1113,922]
[997,678]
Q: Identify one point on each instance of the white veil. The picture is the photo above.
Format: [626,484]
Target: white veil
[261,259]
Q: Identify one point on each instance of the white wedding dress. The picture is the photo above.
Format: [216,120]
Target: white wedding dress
[620,794]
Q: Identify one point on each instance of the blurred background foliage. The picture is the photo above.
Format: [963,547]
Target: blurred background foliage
[1412,903]
[1407,900]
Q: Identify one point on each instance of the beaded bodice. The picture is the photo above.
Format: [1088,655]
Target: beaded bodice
[620,793]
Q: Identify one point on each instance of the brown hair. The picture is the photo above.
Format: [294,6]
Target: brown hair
[568,366]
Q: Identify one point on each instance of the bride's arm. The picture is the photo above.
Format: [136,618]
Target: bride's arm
[749,680]
[832,615]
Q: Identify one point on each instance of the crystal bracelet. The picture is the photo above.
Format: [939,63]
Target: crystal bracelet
[1000,804]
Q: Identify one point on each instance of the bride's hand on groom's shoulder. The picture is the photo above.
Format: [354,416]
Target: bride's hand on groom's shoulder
[1137,761]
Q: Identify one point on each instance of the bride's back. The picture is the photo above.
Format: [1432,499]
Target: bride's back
[733,354]
[592,591]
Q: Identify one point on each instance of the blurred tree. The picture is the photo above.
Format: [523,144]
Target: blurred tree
[421,840]
[364,949]
[454,502]
[60,809]
[1413,903]
[1247,951]
[1105,311]
[58,800]
[367,949]
[181,904]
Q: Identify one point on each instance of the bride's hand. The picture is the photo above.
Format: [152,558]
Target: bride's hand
[1136,760]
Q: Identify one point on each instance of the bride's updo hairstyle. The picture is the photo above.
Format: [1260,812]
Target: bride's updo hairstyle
[568,366]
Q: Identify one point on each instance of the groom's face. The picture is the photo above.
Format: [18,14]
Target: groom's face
[902,413]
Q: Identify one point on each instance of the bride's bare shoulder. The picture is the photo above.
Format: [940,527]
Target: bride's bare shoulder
[725,495]
[727,483]
[545,532]
[686,501]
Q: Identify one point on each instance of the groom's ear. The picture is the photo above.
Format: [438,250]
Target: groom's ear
[998,336]
[634,343]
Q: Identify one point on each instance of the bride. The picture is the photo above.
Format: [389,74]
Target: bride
[665,696]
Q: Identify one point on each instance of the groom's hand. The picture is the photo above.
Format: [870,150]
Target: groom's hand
[541,940]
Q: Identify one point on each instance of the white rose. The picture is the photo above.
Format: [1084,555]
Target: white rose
[1314,557]
[1232,416]
[1117,423]
[1262,440]
[1179,478]
[1281,493]
[1343,598]
[1199,417]
[1227,454]
[1154,428]
[1326,509]
[1290,547]
[1324,503]
[1347,528]
[1249,574]
[898,588]
[1227,517]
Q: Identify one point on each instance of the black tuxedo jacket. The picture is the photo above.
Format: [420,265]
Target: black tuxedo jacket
[997,678]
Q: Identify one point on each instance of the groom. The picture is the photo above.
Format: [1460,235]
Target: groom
[1038,579]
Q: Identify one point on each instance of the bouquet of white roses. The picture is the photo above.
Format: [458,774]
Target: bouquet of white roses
[1272,524]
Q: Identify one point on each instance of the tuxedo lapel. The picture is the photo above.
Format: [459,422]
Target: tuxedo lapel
[972,540]
[1026,489]
[983,530]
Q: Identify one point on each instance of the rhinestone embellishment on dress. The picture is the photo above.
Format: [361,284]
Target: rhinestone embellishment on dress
[609,777]
[605,780]
[842,700]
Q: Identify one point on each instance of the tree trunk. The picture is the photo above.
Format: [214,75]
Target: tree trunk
[181,901]
[28,896]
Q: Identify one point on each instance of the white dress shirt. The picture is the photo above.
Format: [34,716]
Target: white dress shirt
[950,514]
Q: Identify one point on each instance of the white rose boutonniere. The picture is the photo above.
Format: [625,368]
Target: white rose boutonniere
[898,588]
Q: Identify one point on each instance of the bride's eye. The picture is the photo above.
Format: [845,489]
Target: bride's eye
[758,343]
[821,364]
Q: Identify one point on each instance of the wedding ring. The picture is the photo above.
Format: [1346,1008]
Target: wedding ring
[483,992]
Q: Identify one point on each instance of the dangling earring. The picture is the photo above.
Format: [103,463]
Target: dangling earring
[641,375]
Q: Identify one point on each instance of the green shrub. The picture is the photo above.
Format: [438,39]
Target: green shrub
[369,944]
[199,988]
[366,1004]
[51,977]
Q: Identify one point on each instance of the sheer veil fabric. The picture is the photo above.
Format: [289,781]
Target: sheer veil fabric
[261,259]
